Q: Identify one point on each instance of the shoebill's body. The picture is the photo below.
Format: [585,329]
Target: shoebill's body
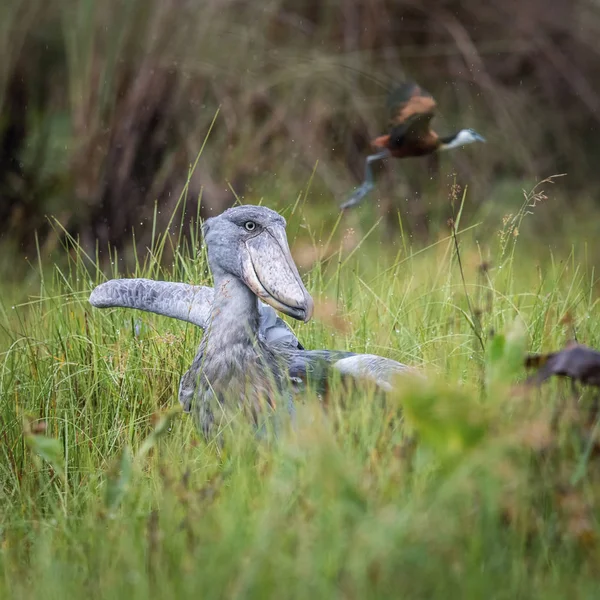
[249,257]
[248,356]
[411,110]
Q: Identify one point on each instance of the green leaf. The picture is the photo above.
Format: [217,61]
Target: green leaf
[445,418]
[505,355]
[119,479]
[496,349]
[162,426]
[49,449]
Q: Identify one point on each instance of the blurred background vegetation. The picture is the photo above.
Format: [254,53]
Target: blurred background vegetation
[104,107]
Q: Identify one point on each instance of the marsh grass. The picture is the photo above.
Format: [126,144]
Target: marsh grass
[461,486]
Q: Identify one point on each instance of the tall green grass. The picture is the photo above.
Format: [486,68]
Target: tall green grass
[461,486]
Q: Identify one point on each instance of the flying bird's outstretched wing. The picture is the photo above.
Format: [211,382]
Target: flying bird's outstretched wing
[411,109]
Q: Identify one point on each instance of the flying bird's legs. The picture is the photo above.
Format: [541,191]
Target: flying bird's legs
[368,184]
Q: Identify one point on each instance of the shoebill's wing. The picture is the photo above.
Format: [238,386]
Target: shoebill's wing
[315,366]
[185,302]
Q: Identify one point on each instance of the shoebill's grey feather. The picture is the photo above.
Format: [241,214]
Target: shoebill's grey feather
[191,303]
[248,356]
[378,369]
[185,302]
[315,365]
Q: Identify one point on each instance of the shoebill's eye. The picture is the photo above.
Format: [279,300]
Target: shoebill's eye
[250,225]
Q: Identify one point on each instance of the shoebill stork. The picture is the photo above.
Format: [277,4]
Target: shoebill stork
[247,352]
[411,110]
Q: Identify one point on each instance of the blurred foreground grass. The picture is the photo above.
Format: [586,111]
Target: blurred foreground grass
[464,486]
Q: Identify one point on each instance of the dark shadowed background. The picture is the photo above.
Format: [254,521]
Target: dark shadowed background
[105,106]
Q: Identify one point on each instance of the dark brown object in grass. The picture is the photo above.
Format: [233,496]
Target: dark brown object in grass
[576,361]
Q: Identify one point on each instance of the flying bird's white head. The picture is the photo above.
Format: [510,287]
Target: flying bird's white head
[462,138]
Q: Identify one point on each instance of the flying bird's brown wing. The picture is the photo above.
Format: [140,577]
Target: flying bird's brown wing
[411,110]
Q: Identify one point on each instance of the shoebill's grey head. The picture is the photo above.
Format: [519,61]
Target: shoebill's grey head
[249,242]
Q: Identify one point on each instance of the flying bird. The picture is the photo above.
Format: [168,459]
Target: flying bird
[248,355]
[411,110]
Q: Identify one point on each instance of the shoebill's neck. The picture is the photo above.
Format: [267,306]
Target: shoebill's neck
[234,316]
